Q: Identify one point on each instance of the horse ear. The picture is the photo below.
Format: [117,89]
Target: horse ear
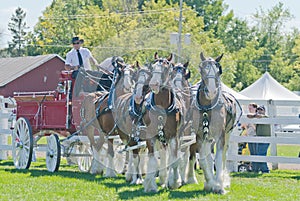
[156,56]
[137,64]
[202,56]
[218,59]
[186,64]
[170,57]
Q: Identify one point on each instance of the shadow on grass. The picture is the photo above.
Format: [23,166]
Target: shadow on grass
[246,174]
[172,194]
[175,194]
[134,194]
[6,163]
[115,183]
[278,174]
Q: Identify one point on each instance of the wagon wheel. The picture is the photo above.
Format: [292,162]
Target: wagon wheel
[22,144]
[53,153]
[84,161]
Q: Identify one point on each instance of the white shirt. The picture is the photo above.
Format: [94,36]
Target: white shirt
[72,58]
[107,64]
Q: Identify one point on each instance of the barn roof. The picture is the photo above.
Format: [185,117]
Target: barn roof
[12,68]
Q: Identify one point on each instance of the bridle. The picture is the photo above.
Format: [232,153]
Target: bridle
[160,68]
[211,74]
[179,70]
[143,78]
[128,76]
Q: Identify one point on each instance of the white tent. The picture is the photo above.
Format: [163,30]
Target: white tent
[266,88]
[237,95]
[225,88]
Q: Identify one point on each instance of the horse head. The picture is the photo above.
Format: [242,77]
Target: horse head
[128,73]
[160,73]
[142,84]
[180,74]
[210,70]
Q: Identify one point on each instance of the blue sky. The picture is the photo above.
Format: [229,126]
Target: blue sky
[34,9]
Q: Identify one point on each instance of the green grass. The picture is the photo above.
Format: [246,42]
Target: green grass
[69,184]
[288,150]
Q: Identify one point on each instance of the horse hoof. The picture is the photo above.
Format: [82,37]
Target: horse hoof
[96,172]
[192,181]
[219,191]
[175,185]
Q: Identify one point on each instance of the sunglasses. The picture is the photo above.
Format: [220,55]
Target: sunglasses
[76,43]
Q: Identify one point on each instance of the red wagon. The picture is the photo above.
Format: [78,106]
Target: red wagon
[52,114]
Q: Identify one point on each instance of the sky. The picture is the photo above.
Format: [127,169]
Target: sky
[34,9]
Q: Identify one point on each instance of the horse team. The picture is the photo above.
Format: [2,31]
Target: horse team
[152,108]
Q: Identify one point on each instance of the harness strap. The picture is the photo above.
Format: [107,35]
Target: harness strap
[150,105]
[211,106]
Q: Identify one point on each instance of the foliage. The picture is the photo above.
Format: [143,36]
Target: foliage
[17,27]
[136,29]
[246,71]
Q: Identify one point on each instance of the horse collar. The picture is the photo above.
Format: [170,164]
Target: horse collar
[211,106]
[134,111]
[150,105]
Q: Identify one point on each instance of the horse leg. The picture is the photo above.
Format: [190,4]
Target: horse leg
[110,170]
[149,182]
[174,180]
[129,172]
[205,157]
[136,173]
[163,173]
[219,169]
[97,165]
[191,177]
[183,164]
[222,176]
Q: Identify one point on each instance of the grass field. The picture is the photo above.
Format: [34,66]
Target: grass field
[69,184]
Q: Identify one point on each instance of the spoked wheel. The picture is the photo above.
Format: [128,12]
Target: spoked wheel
[84,161]
[22,144]
[242,168]
[53,153]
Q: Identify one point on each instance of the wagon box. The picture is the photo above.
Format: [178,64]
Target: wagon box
[45,113]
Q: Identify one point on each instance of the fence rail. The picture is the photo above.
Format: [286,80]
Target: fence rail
[278,136]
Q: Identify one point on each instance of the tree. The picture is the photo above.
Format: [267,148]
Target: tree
[234,33]
[18,27]
[269,30]
[247,60]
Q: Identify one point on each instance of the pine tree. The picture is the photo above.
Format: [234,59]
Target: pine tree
[18,27]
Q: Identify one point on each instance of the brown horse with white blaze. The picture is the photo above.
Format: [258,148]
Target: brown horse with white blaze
[162,119]
[128,112]
[214,116]
[96,108]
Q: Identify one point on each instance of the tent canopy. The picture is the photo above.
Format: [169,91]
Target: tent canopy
[237,95]
[225,88]
[266,88]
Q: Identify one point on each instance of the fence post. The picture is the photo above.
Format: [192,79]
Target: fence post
[232,166]
[3,125]
[273,147]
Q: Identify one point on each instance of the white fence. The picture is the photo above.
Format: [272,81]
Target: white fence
[280,113]
[6,107]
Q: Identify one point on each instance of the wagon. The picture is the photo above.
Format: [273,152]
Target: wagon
[56,116]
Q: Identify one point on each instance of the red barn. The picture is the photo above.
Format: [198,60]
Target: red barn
[29,74]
